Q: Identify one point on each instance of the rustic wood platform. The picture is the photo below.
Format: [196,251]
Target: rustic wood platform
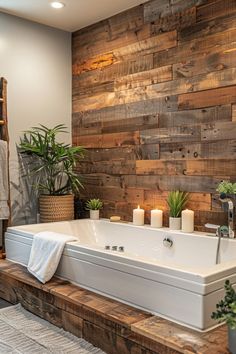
[112,326]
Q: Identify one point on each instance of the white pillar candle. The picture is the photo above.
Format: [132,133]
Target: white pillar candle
[138,216]
[187,220]
[156,218]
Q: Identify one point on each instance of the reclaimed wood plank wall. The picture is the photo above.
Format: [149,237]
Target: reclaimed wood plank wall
[154,102]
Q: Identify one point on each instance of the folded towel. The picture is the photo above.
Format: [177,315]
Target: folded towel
[4,208]
[45,255]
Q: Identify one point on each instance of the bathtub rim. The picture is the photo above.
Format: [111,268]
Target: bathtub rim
[199,283]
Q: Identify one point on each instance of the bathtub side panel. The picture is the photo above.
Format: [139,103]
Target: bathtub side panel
[159,298]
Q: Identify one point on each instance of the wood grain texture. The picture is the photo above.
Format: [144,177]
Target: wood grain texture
[114,327]
[154,97]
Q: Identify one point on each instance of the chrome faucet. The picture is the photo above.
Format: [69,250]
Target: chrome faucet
[221,231]
[231,210]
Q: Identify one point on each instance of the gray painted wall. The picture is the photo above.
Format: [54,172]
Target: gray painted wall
[36,61]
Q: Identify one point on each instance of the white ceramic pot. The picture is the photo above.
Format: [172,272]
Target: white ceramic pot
[232,340]
[174,223]
[94,214]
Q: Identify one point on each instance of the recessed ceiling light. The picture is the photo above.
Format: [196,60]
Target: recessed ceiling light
[57,5]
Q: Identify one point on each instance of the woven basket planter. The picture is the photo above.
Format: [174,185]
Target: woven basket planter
[56,208]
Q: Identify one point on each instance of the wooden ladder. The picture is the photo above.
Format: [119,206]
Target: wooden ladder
[4,136]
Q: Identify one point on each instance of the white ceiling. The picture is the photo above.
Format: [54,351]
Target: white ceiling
[75,15]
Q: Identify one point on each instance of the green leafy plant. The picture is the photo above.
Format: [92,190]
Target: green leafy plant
[226,187]
[226,308]
[94,204]
[176,201]
[51,163]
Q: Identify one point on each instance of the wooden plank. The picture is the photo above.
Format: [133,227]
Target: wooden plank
[197,167]
[157,199]
[94,63]
[134,194]
[88,127]
[194,117]
[136,123]
[206,150]
[105,340]
[110,73]
[208,98]
[107,140]
[86,35]
[197,65]
[151,45]
[144,152]
[213,149]
[198,184]
[128,20]
[178,21]
[148,152]
[199,83]
[120,153]
[132,43]
[111,194]
[234,112]
[153,329]
[117,24]
[156,9]
[168,135]
[181,150]
[180,86]
[102,179]
[219,131]
[218,8]
[200,46]
[203,217]
[114,167]
[134,109]
[145,78]
[81,93]
[201,29]
[86,44]
[107,193]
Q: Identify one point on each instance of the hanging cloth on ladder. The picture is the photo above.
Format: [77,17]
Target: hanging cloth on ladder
[4,208]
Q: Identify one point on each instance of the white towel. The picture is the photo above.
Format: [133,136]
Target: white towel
[4,208]
[45,255]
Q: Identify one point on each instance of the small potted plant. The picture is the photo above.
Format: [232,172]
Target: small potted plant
[176,201]
[226,312]
[94,206]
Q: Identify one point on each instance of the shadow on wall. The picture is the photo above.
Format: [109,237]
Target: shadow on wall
[24,198]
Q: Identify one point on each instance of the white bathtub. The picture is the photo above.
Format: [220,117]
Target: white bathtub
[181,283]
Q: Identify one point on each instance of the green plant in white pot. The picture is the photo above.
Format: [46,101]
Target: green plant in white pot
[51,165]
[94,206]
[226,312]
[176,201]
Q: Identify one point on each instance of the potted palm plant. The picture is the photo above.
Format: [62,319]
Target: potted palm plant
[226,312]
[94,206]
[176,201]
[51,165]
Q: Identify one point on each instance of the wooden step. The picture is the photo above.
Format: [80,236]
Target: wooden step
[110,325]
